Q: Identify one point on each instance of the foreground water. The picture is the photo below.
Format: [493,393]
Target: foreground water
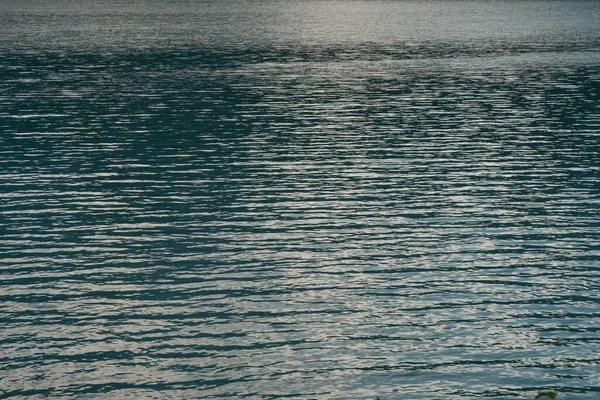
[313,199]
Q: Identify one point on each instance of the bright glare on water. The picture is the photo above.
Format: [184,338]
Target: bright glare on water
[306,199]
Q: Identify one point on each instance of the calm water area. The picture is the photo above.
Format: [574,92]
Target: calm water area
[299,199]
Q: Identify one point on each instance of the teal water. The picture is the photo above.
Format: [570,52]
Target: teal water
[299,199]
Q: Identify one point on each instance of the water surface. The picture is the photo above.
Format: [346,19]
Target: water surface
[299,199]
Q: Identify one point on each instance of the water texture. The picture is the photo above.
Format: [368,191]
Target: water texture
[299,199]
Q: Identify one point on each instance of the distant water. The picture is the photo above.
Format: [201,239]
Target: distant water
[299,199]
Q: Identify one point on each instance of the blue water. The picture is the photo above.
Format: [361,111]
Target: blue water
[299,199]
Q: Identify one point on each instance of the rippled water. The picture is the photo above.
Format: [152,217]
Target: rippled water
[299,199]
